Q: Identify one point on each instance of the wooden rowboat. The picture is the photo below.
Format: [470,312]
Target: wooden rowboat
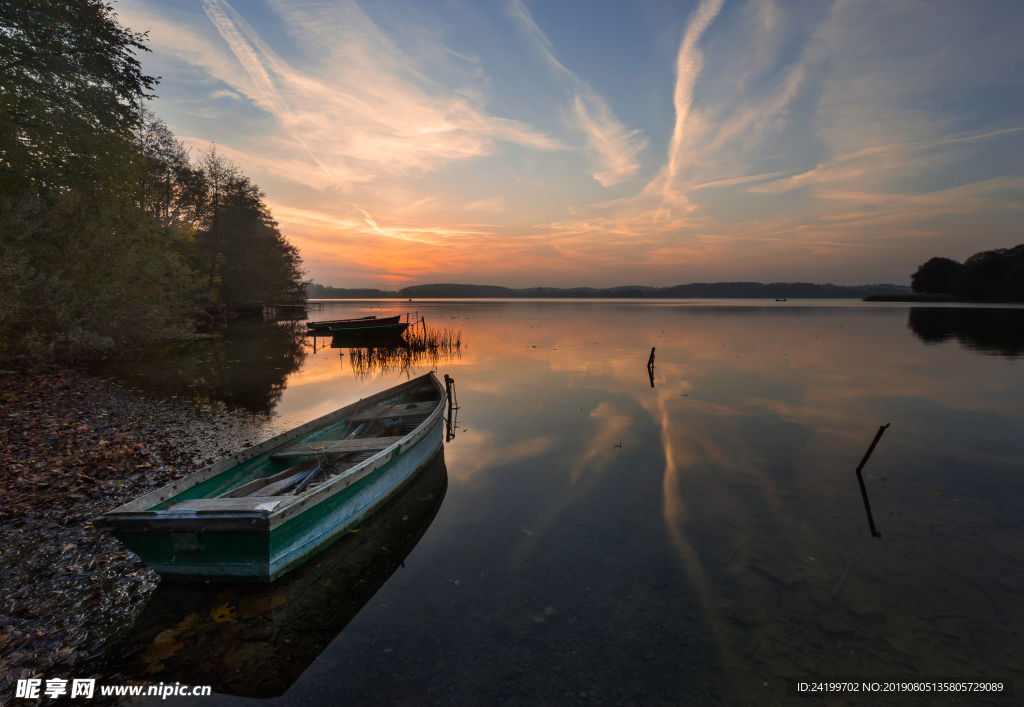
[266,510]
[277,630]
[326,325]
[382,330]
[383,321]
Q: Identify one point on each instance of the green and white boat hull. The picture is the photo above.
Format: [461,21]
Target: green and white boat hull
[190,530]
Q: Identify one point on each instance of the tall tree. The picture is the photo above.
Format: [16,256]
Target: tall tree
[74,241]
[246,257]
[222,180]
[166,182]
[70,97]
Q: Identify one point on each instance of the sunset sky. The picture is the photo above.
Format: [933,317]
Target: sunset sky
[577,142]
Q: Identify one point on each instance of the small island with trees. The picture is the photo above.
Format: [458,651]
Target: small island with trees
[988,276]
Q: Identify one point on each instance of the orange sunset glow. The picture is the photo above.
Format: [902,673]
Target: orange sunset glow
[525,144]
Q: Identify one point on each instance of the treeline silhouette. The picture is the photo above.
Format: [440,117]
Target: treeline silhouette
[752,290]
[110,233]
[990,275]
[218,220]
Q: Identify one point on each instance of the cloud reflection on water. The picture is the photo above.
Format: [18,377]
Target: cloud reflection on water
[726,518]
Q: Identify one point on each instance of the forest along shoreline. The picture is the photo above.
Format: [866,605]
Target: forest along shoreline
[73,446]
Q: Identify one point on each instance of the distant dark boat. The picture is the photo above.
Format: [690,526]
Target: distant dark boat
[377,329]
[327,325]
[781,300]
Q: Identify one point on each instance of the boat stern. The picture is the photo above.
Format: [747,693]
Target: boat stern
[197,545]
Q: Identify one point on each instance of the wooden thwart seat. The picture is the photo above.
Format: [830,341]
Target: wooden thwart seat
[335,446]
[399,410]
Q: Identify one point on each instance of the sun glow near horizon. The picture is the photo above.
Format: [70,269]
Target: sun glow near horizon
[570,145]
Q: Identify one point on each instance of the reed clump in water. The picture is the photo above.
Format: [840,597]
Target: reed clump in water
[422,345]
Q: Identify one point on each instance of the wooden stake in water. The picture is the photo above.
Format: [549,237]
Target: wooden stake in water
[860,479]
[449,388]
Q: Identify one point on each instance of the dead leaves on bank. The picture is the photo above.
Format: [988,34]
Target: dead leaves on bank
[60,448]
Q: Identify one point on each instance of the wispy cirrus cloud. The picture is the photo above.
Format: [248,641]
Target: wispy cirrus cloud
[689,62]
[615,146]
[496,204]
[788,140]
[360,110]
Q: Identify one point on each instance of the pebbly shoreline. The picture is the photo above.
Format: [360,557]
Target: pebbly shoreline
[72,447]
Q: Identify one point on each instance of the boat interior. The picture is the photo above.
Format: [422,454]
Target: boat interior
[300,467]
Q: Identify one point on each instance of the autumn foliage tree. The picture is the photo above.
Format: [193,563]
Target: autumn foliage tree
[109,233]
[224,228]
[69,99]
[81,269]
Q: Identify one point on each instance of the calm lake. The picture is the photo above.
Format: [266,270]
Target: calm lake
[602,532]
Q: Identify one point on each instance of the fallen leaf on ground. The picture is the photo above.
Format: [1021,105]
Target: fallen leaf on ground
[223,613]
[163,649]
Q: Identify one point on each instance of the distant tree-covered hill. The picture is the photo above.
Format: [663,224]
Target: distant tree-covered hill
[752,290]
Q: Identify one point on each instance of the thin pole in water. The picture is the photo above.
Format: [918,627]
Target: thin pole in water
[860,479]
[449,389]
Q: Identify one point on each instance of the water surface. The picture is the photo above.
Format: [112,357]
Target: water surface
[690,533]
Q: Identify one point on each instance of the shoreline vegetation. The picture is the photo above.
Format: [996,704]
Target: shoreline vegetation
[111,233]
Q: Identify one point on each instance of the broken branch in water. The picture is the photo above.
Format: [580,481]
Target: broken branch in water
[860,479]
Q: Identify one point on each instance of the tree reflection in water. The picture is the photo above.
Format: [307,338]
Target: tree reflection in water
[256,639]
[998,331]
[241,366]
[420,345]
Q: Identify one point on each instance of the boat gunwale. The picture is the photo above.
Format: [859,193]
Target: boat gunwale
[142,506]
[398,327]
[355,323]
[287,510]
